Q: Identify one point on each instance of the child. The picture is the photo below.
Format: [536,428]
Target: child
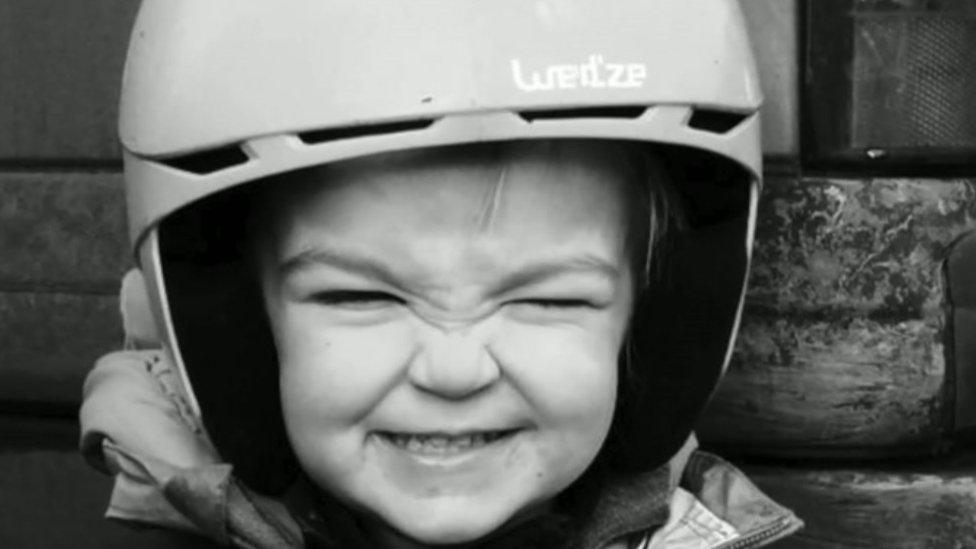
[474,295]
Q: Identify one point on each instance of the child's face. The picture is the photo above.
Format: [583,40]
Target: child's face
[448,326]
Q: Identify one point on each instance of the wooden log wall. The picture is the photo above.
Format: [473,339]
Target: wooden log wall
[842,350]
[63,250]
[62,222]
[847,351]
[915,505]
[59,75]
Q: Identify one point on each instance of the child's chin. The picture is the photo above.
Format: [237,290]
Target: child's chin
[447,526]
[451,536]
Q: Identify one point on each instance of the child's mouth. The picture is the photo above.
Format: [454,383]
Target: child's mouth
[443,443]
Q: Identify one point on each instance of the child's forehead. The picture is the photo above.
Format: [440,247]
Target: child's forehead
[523,190]
[505,211]
[536,161]
[487,178]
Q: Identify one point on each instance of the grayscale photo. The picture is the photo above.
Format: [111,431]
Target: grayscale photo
[488,274]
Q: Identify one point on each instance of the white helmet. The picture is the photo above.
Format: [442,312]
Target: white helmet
[218,93]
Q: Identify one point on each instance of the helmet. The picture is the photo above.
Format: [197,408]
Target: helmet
[221,93]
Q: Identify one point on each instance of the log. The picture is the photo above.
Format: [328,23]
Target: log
[842,352]
[909,506]
[853,388]
[48,343]
[62,232]
[60,69]
[832,248]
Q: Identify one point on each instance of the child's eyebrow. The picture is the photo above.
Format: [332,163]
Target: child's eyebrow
[344,260]
[542,270]
[525,275]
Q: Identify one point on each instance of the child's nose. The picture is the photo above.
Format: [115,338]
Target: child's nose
[453,365]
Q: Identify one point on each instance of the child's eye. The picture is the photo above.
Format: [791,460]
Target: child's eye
[554,303]
[356,299]
[548,310]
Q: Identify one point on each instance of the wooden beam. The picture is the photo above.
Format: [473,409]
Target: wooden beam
[60,72]
[63,232]
[840,389]
[842,351]
[861,247]
[48,343]
[909,506]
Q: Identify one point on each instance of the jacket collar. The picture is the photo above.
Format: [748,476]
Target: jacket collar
[723,508]
[631,504]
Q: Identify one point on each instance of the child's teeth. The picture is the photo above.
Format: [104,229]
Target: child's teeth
[414,444]
[441,443]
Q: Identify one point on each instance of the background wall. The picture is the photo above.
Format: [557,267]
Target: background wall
[840,393]
[62,253]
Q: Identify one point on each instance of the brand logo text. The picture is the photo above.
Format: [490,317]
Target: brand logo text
[594,72]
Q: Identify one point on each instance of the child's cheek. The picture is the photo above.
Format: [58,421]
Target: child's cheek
[568,370]
[339,371]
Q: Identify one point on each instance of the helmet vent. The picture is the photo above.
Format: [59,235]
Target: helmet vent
[627,111]
[208,161]
[335,134]
[715,121]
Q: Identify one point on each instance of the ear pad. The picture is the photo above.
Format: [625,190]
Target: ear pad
[224,339]
[683,324]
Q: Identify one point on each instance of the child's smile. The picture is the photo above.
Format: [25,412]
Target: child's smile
[430,467]
[441,444]
[448,326]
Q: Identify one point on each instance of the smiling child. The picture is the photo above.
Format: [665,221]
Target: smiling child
[408,300]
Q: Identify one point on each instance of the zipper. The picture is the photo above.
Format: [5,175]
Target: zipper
[774,532]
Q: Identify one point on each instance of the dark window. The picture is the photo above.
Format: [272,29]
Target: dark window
[890,85]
